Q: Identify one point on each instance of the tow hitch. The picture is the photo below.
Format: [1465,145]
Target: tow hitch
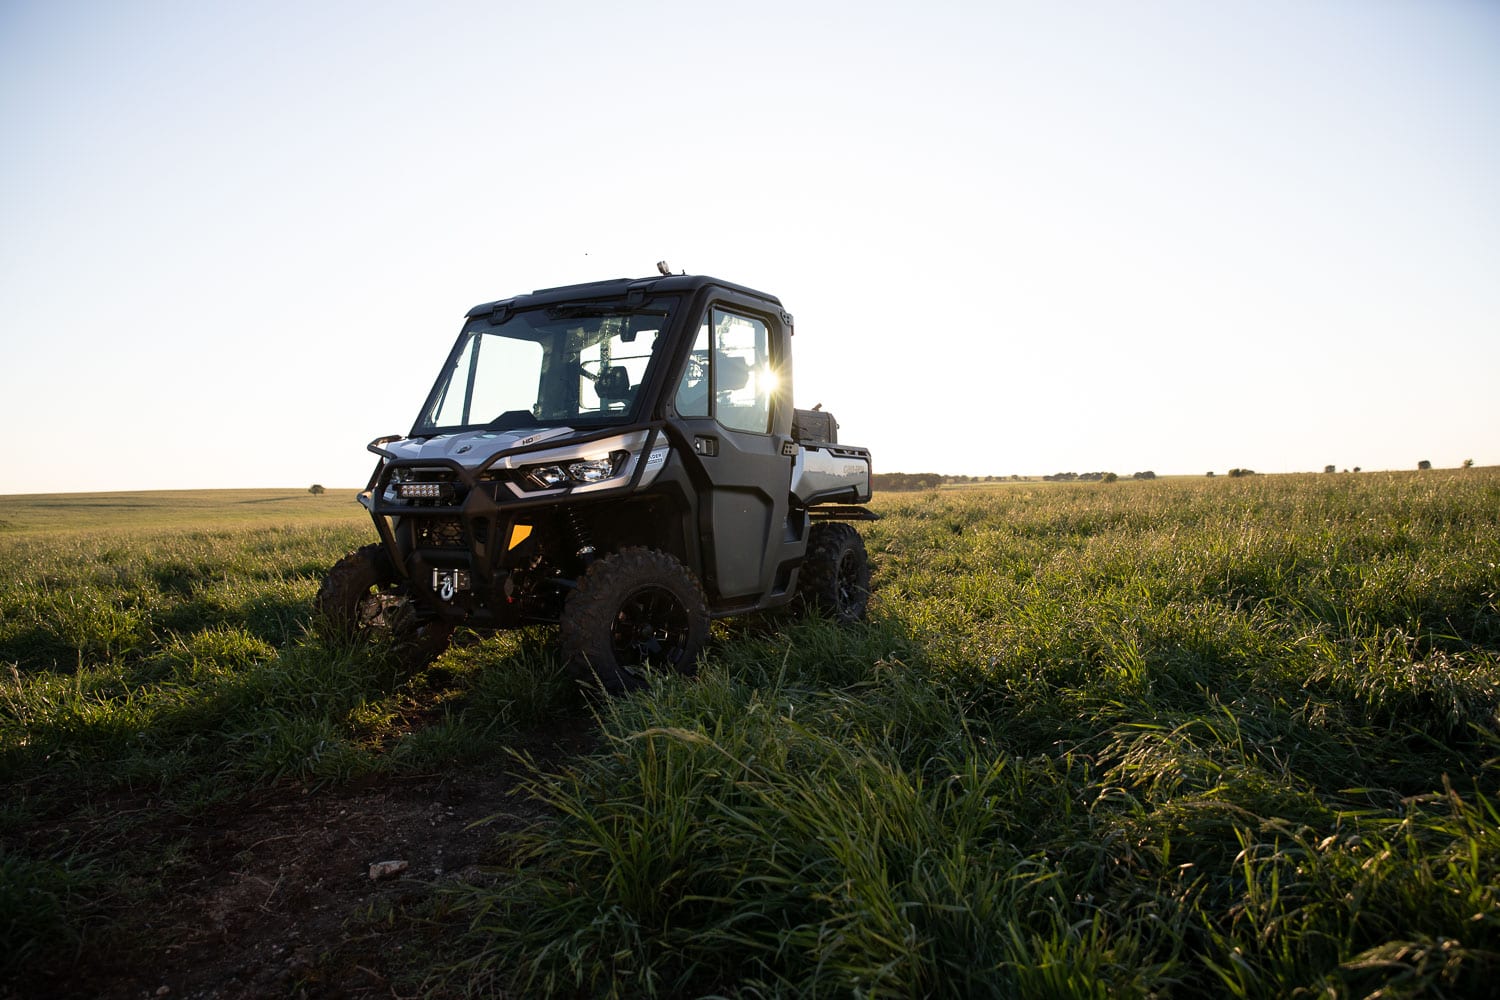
[448,583]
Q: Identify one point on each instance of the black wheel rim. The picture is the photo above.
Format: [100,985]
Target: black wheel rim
[387,612]
[651,628]
[382,609]
[846,586]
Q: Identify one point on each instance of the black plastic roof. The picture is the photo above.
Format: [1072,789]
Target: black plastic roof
[616,288]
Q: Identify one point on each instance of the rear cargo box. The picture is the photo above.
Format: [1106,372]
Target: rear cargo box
[814,425]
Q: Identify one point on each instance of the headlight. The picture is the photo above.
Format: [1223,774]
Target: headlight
[545,477]
[579,473]
[596,471]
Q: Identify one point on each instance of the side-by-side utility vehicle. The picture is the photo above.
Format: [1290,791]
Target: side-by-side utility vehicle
[619,458]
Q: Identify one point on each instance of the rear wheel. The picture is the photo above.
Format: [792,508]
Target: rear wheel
[633,610]
[836,572]
[362,598]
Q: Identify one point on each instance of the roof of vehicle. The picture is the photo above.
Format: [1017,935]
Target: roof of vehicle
[617,288]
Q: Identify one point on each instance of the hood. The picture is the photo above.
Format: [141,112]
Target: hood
[472,449]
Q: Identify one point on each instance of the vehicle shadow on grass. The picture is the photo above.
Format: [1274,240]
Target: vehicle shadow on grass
[242,867]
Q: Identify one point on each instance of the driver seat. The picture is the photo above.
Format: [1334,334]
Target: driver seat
[613,385]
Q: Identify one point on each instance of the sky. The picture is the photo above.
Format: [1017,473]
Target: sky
[238,239]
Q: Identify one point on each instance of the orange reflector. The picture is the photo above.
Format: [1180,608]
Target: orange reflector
[519,534]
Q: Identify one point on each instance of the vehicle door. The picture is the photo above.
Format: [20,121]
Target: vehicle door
[727,401]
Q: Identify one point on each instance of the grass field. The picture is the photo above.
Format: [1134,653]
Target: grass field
[1183,737]
[170,510]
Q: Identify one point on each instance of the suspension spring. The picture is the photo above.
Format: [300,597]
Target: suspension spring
[581,536]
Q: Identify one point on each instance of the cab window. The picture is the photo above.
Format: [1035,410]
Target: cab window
[729,374]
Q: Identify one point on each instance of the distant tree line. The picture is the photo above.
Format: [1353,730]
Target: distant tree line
[1093,477]
[898,481]
[895,482]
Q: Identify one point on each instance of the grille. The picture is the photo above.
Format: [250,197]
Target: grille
[441,533]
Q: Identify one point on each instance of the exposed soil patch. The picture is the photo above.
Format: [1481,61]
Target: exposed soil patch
[273,896]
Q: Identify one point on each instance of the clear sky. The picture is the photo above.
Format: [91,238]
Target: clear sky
[237,239]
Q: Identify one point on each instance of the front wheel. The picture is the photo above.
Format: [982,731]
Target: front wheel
[836,572]
[362,598]
[634,609]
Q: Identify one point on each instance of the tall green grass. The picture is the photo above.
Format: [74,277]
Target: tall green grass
[1236,738]
[1228,737]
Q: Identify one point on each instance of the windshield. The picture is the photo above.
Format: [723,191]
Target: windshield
[569,364]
